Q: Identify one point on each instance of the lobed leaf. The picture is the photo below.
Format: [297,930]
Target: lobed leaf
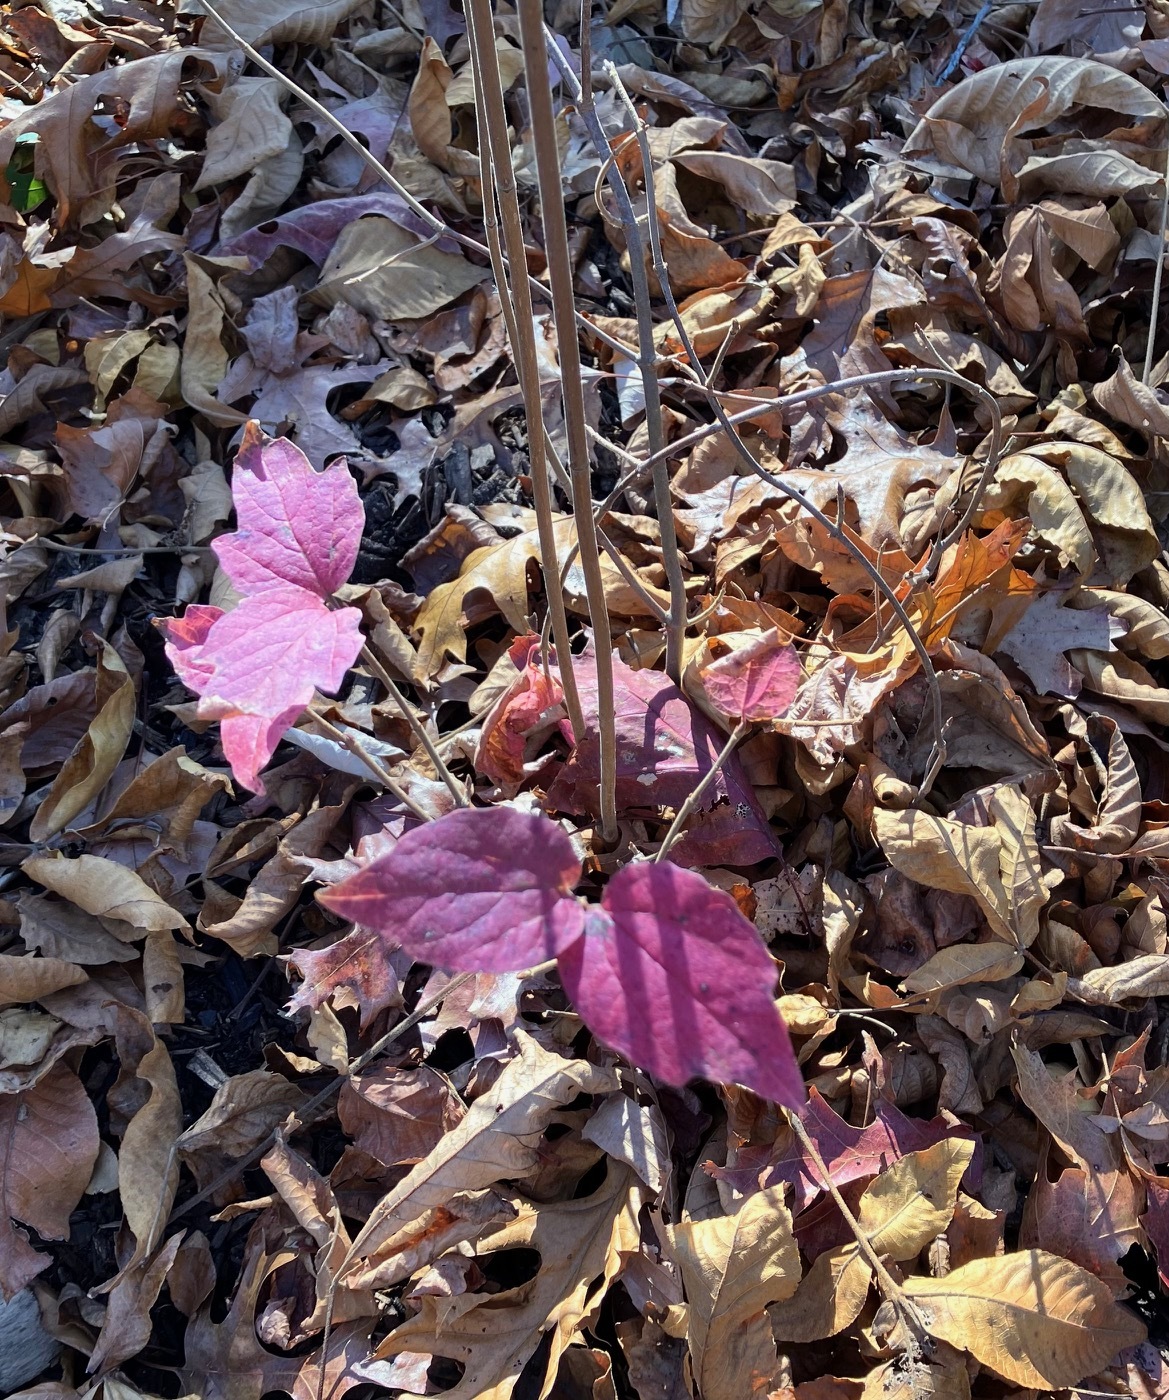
[296,525]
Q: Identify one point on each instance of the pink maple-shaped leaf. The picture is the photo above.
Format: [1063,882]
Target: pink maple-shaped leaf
[672,976]
[756,683]
[485,889]
[296,525]
[256,667]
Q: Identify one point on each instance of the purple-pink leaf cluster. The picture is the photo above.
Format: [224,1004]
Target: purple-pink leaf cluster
[665,970]
[255,667]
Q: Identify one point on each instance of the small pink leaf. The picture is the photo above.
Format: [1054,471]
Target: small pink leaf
[756,683]
[296,525]
[486,889]
[255,668]
[672,976]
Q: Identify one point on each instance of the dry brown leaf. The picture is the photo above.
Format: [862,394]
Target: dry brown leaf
[1034,1318]
[494,1334]
[733,1267]
[277,21]
[387,273]
[493,1142]
[91,765]
[106,889]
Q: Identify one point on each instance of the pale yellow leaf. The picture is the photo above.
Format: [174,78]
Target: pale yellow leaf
[1034,1318]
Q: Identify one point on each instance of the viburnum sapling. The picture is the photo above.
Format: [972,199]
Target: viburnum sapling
[665,969]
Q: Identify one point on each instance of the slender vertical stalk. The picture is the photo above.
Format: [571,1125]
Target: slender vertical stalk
[564,314]
[496,168]
[647,365]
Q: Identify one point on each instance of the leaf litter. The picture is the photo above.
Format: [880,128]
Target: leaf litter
[738,965]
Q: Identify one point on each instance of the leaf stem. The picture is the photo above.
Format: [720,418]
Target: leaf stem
[888,1284]
[417,728]
[695,796]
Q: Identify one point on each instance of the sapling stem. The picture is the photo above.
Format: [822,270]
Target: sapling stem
[417,728]
[497,169]
[695,796]
[560,278]
[647,365]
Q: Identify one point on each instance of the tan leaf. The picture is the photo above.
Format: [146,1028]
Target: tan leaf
[105,888]
[430,115]
[828,1300]
[1049,501]
[501,572]
[968,126]
[496,1140]
[92,763]
[732,1267]
[148,1167]
[634,1134]
[1034,1318]
[912,1202]
[965,962]
[387,273]
[947,855]
[29,979]
[765,188]
[52,1145]
[250,126]
[243,1112]
[581,1244]
[277,21]
[914,1378]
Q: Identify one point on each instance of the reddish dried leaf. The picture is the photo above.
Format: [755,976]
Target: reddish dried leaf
[673,976]
[757,683]
[398,1115]
[850,1154]
[354,971]
[480,890]
[664,748]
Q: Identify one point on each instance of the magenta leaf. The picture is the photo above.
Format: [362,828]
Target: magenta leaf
[664,748]
[255,668]
[756,683]
[296,525]
[485,889]
[672,976]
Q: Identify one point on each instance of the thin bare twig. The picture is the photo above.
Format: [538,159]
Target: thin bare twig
[352,744]
[496,167]
[1154,314]
[889,1285]
[646,363]
[695,796]
[560,277]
